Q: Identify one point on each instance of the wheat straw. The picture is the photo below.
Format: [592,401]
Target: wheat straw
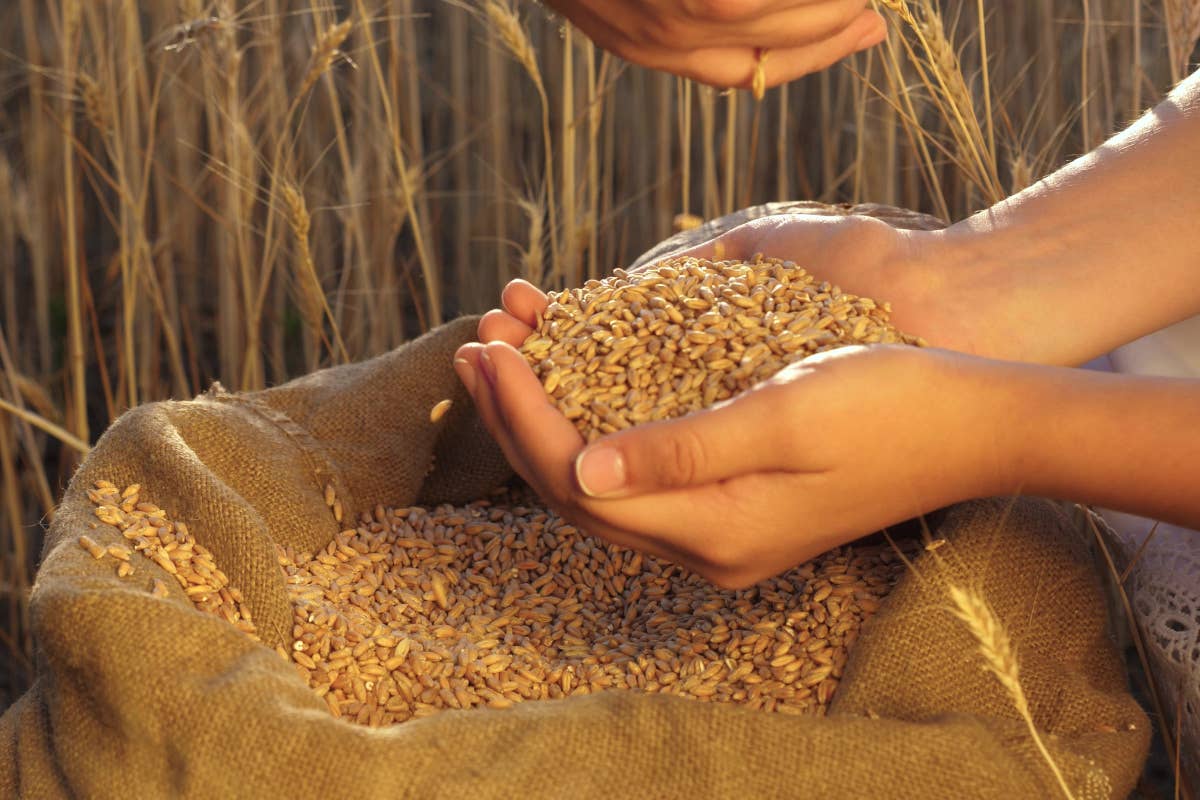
[323,54]
[1000,658]
[311,296]
[516,40]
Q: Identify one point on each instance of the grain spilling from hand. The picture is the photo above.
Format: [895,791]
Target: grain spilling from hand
[439,410]
[417,610]
[758,85]
[688,333]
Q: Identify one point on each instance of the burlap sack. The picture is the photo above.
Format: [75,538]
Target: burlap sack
[141,696]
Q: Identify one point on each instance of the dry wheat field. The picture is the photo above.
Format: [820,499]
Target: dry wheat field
[200,190]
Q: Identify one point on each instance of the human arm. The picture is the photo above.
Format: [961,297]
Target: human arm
[716,41]
[845,443]
[1099,253]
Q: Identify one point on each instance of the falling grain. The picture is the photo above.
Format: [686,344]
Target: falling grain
[439,410]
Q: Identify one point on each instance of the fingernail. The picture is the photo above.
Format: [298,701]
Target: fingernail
[489,369]
[600,471]
[466,374]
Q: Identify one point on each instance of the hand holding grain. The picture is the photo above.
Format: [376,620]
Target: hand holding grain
[717,41]
[831,448]
[932,295]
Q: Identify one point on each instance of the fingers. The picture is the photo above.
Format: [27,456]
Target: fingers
[541,444]
[799,237]
[471,368]
[729,23]
[787,28]
[867,30]
[685,525]
[736,244]
[788,62]
[547,440]
[497,325]
[747,434]
[523,305]
[524,301]
[800,40]
[730,531]
[741,243]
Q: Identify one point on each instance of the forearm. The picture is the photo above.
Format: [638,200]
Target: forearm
[1122,442]
[1101,252]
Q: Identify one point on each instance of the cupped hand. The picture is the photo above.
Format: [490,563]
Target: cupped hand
[861,255]
[932,295]
[717,41]
[831,448]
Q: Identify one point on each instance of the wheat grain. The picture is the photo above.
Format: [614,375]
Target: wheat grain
[758,86]
[688,333]
[440,409]
[488,605]
[171,547]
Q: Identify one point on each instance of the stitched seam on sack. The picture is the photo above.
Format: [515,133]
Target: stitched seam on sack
[310,449]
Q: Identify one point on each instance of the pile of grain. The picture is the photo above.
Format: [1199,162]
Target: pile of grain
[688,333]
[168,544]
[420,610]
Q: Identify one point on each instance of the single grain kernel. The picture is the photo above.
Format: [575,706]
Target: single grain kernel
[97,551]
[439,410]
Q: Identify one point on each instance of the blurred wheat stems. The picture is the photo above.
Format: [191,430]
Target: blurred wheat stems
[939,70]
[46,426]
[516,40]
[1171,742]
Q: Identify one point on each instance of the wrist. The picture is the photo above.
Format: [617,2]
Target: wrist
[1042,428]
[986,423]
[1005,285]
[983,279]
[1003,429]
[948,290]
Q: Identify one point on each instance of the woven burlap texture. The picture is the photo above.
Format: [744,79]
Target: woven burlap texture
[142,696]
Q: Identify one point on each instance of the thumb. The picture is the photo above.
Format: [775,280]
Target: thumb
[731,439]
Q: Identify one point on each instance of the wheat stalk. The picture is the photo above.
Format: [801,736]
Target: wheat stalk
[46,426]
[566,265]
[533,258]
[516,40]
[512,33]
[429,270]
[95,104]
[941,73]
[1183,31]
[323,54]
[1000,658]
[310,295]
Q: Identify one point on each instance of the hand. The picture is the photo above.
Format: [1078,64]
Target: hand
[717,41]
[938,288]
[870,258]
[832,448]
